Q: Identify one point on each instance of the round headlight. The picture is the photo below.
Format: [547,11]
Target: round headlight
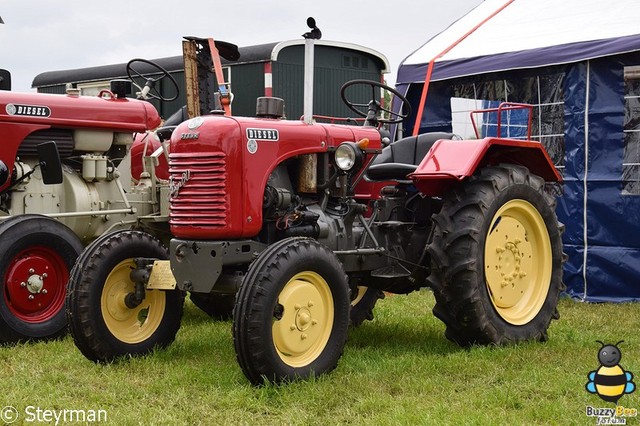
[346,156]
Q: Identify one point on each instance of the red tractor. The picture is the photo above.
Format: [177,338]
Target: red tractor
[66,169]
[301,219]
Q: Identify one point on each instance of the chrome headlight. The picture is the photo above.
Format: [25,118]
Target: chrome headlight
[347,156]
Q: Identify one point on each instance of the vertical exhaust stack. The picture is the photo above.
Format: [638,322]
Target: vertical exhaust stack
[309,40]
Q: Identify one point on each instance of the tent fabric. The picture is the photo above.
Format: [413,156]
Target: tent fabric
[584,49]
[543,56]
[538,33]
[603,257]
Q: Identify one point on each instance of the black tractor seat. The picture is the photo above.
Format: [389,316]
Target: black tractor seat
[402,157]
[177,117]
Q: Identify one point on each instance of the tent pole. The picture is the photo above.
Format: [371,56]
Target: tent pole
[427,78]
[584,187]
[423,98]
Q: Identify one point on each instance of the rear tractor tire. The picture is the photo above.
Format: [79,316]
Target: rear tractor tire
[292,313]
[363,301]
[104,327]
[497,258]
[36,257]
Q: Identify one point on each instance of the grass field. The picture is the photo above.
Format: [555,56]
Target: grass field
[398,369]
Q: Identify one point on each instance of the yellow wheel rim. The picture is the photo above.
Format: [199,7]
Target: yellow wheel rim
[518,262]
[302,333]
[130,325]
[362,290]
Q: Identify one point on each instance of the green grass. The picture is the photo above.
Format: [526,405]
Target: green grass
[398,369]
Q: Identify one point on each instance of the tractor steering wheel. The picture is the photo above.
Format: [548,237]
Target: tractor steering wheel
[150,90]
[374,107]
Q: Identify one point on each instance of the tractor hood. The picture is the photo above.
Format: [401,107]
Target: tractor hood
[108,113]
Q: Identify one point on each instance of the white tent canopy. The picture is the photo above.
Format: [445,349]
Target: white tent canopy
[542,32]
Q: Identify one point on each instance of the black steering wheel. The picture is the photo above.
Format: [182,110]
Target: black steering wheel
[374,107]
[150,90]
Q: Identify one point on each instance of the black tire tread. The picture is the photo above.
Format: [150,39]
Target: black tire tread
[255,358]
[85,321]
[49,232]
[462,302]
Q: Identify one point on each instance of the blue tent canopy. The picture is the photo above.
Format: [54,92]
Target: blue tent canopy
[578,63]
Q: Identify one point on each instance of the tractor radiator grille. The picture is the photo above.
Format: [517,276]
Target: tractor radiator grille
[62,137]
[198,190]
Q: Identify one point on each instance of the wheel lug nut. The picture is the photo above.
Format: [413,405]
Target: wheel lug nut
[23,284]
[292,327]
[31,297]
[499,250]
[44,291]
[44,275]
[303,336]
[296,307]
[310,304]
[31,270]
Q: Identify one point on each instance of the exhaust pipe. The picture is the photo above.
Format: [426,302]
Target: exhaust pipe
[309,42]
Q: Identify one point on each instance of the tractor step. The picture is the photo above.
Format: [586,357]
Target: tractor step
[392,271]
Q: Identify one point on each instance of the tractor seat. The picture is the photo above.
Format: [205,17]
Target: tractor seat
[164,133]
[402,157]
[177,117]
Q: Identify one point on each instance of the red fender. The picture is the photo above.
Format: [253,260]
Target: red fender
[137,153]
[452,161]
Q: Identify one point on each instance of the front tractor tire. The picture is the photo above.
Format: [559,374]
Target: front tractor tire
[103,325]
[497,258]
[292,313]
[36,257]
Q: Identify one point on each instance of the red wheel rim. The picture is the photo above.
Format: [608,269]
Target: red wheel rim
[35,283]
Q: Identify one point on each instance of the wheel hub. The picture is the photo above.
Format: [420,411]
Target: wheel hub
[510,263]
[35,284]
[517,261]
[130,325]
[117,305]
[507,266]
[303,319]
[306,322]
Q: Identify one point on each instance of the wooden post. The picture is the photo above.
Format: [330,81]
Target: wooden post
[191,78]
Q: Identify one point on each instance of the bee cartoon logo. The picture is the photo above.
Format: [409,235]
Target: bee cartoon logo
[610,381]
